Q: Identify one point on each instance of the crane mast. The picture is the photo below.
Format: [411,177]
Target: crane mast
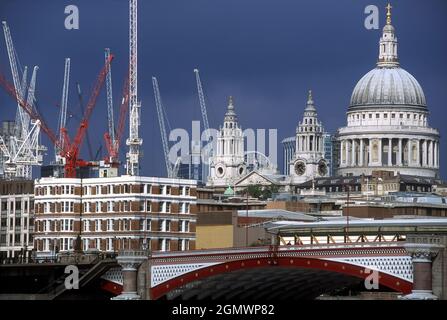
[63,111]
[15,75]
[21,150]
[134,141]
[161,122]
[209,151]
[110,118]
[21,119]
[202,104]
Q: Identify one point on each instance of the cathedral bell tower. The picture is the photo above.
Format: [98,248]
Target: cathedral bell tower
[309,161]
[227,165]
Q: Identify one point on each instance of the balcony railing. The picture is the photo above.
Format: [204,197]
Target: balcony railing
[397,128]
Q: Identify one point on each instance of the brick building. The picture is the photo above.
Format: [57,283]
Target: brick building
[16,222]
[110,214]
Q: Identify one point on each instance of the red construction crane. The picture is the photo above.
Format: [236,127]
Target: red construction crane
[69,150]
[113,148]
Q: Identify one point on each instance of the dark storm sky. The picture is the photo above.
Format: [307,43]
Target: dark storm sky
[266,53]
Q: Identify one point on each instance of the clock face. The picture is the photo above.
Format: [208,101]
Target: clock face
[322,168]
[300,168]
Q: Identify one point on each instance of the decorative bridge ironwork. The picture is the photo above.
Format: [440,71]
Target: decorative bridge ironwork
[171,271]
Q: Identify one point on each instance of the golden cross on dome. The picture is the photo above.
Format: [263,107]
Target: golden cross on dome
[388,13]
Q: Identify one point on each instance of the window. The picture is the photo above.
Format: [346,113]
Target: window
[183,191]
[109,244]
[164,225]
[370,116]
[401,116]
[385,115]
[166,189]
[377,115]
[393,115]
[110,205]
[167,207]
[109,225]
[185,207]
[184,225]
[147,188]
[183,245]
[66,225]
[167,225]
[86,225]
[98,206]
[126,206]
[148,206]
[363,116]
[98,225]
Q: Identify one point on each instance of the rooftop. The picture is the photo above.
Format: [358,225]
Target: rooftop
[276,214]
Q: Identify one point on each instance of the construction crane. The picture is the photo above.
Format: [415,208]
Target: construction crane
[63,111]
[134,141]
[110,120]
[21,151]
[87,136]
[22,122]
[113,145]
[209,151]
[15,75]
[161,122]
[69,150]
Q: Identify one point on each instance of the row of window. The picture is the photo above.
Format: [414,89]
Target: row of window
[110,244]
[109,206]
[14,239]
[108,189]
[408,116]
[17,205]
[98,225]
[16,222]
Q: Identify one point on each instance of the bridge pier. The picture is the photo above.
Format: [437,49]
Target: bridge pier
[423,251]
[130,262]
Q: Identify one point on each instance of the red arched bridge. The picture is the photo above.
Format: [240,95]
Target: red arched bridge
[304,271]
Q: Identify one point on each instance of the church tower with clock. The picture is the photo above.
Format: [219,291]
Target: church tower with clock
[308,162]
[227,164]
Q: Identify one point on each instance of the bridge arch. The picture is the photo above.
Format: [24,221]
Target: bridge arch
[320,267]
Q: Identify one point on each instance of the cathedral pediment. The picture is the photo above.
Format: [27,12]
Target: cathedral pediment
[254,178]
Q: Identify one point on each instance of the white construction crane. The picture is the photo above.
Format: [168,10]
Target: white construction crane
[22,150]
[161,122]
[63,111]
[21,154]
[15,77]
[209,150]
[110,120]
[134,141]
